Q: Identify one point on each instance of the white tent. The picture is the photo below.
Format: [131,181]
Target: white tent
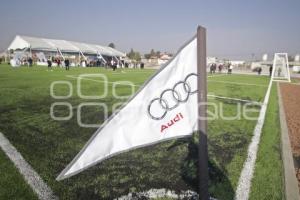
[42,44]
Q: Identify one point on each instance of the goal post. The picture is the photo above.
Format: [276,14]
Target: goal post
[280,70]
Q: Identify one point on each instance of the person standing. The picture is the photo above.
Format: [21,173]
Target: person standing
[215,68]
[220,67]
[270,70]
[113,64]
[259,70]
[49,64]
[211,68]
[98,63]
[67,64]
[30,61]
[279,72]
[230,68]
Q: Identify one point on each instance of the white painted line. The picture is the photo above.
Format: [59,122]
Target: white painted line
[109,82]
[160,193]
[234,99]
[244,184]
[249,73]
[240,72]
[31,177]
[136,85]
[237,83]
[217,75]
[131,72]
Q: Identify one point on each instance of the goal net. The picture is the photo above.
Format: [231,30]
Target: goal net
[281,67]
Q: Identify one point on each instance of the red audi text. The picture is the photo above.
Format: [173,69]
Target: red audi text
[176,119]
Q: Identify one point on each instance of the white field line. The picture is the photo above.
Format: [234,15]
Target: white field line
[218,75]
[160,193]
[123,72]
[129,72]
[235,99]
[244,184]
[30,176]
[136,85]
[239,72]
[109,82]
[237,83]
[250,73]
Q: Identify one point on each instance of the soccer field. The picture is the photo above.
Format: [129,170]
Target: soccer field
[49,145]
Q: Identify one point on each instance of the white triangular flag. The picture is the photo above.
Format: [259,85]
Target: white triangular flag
[164,108]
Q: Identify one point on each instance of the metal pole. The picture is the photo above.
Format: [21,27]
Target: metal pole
[79,59]
[59,52]
[202,120]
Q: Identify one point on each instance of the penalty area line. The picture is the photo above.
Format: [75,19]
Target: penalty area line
[238,83]
[244,184]
[138,85]
[234,99]
[33,179]
[217,75]
[109,82]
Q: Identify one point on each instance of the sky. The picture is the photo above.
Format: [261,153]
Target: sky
[236,29]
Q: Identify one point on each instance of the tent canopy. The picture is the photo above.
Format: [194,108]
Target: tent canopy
[42,44]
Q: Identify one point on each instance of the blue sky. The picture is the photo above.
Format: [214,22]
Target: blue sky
[235,28]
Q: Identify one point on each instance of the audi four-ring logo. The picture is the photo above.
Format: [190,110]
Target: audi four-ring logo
[177,97]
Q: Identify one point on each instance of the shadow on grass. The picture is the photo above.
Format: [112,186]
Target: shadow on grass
[49,146]
[219,185]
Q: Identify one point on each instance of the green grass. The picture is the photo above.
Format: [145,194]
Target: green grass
[268,177]
[50,145]
[12,184]
[247,92]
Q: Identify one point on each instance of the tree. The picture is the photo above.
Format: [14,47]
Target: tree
[158,54]
[152,53]
[112,45]
[147,55]
[130,54]
[137,56]
[134,55]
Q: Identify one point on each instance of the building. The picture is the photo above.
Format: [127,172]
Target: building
[41,49]
[157,61]
[211,60]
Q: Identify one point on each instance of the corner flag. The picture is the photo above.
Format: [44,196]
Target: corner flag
[165,107]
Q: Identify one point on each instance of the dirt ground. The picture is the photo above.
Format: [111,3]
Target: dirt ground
[291,100]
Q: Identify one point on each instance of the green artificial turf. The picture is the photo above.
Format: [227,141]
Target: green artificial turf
[268,177]
[49,145]
[12,184]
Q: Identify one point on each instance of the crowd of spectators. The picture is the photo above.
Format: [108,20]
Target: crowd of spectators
[73,61]
[221,66]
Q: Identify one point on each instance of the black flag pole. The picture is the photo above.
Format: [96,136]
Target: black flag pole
[202,120]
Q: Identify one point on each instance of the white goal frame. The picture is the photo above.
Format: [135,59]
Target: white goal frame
[283,79]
